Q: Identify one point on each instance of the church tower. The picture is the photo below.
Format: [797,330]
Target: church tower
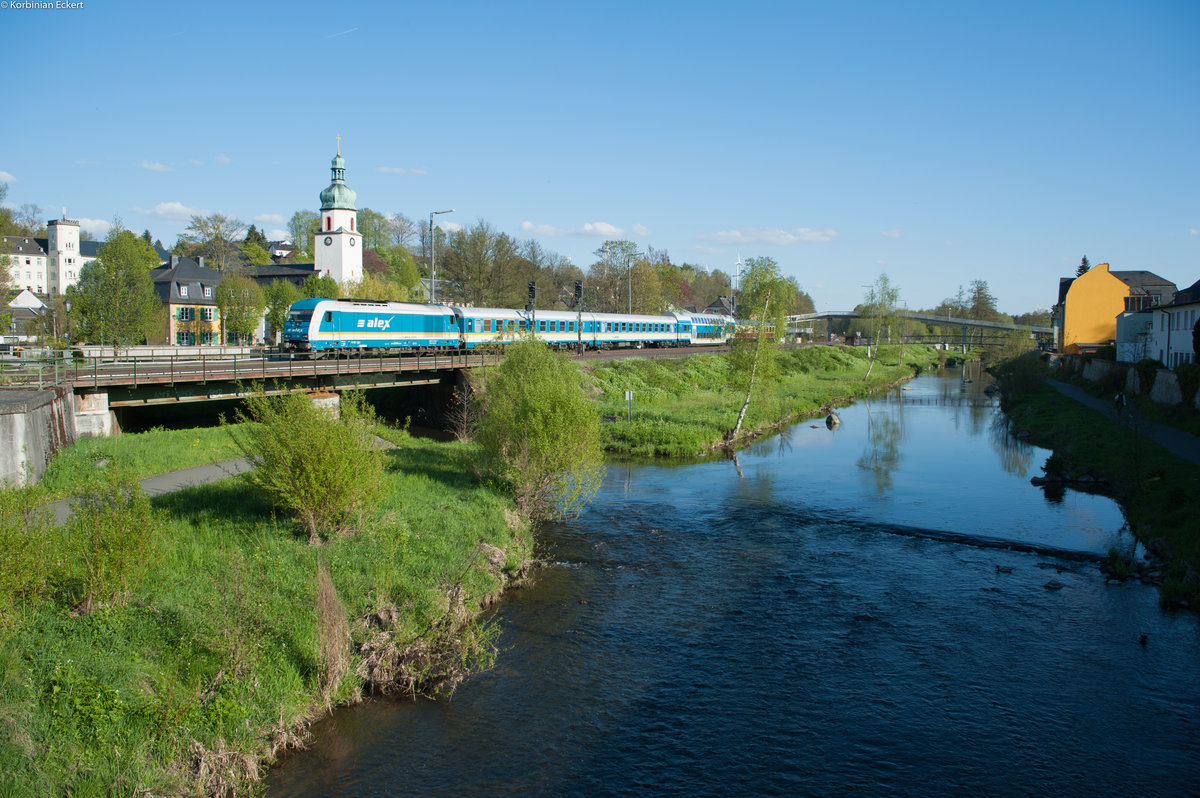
[338,243]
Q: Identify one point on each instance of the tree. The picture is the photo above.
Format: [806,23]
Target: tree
[879,310]
[325,470]
[241,303]
[320,287]
[256,255]
[401,230]
[753,358]
[302,228]
[114,301]
[255,236]
[279,295]
[373,226]
[402,269]
[1083,267]
[982,304]
[485,267]
[149,239]
[539,433]
[215,237]
[374,289]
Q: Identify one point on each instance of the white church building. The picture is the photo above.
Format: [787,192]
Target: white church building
[338,244]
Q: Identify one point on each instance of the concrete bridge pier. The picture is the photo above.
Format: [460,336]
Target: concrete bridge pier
[93,417]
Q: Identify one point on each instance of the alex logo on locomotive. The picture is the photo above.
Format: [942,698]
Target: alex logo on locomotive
[375,324]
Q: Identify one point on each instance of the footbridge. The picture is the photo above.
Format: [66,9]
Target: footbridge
[996,328]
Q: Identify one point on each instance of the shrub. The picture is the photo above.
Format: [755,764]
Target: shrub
[24,530]
[1147,370]
[111,534]
[1189,380]
[325,470]
[539,433]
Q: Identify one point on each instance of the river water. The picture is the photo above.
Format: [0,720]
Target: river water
[833,613]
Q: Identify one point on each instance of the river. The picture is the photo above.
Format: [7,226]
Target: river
[835,612]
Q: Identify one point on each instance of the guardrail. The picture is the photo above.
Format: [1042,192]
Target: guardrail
[98,372]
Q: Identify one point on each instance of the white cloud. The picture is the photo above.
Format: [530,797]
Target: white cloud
[450,227]
[194,162]
[173,211]
[641,230]
[97,227]
[154,166]
[597,229]
[1192,230]
[891,233]
[400,170]
[223,159]
[279,235]
[5,177]
[764,235]
[83,162]
[269,218]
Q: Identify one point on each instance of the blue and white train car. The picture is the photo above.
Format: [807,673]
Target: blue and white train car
[345,326]
[708,329]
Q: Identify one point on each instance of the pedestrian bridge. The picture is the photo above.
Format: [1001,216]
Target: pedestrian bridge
[928,319]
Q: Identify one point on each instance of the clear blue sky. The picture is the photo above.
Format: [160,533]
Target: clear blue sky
[937,142]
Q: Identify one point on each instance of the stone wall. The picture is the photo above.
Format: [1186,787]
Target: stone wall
[33,426]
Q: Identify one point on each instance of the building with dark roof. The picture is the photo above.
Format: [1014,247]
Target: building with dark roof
[1093,301]
[1175,327]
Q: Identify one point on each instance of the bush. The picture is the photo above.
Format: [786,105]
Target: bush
[1147,370]
[325,470]
[539,433]
[1189,380]
[24,530]
[111,534]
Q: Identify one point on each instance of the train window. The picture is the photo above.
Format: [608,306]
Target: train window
[570,326]
[542,326]
[328,315]
[487,325]
[470,325]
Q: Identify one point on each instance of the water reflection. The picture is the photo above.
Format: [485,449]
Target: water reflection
[882,455]
[1016,456]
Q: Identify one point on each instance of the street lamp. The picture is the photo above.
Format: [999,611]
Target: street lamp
[433,257]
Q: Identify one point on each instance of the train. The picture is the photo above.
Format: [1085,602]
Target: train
[351,327]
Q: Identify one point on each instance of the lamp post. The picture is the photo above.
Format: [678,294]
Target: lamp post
[67,305]
[433,257]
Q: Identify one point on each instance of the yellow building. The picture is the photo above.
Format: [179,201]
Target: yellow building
[189,295]
[1095,299]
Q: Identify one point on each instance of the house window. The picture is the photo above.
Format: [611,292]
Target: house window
[183,290]
[208,338]
[208,291]
[206,314]
[184,338]
[186,314]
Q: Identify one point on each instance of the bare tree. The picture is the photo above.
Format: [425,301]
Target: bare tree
[216,236]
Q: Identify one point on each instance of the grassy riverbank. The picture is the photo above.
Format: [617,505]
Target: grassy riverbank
[1156,489]
[683,407]
[220,651]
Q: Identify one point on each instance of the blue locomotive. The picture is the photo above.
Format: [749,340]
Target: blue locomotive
[359,327]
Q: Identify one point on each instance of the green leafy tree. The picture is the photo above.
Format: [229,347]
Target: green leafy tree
[256,255]
[484,267]
[753,358]
[402,269]
[325,470]
[216,237]
[608,279]
[880,313]
[982,303]
[320,287]
[279,295]
[375,289]
[374,228]
[539,433]
[303,227]
[241,303]
[114,301]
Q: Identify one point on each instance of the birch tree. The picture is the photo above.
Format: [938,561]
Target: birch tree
[753,355]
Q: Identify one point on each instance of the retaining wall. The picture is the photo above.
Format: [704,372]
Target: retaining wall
[33,426]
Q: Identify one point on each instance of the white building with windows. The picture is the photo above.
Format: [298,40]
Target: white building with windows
[1172,327]
[338,244]
[47,266]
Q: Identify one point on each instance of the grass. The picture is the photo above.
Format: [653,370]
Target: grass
[214,660]
[139,455]
[682,407]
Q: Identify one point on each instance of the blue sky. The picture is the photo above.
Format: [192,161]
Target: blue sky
[936,142]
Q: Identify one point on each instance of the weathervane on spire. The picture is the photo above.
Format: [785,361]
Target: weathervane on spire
[339,143]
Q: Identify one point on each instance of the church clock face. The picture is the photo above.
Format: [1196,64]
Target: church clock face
[328,240]
[352,242]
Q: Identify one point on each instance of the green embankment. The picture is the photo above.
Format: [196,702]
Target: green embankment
[214,661]
[1155,488]
[683,407]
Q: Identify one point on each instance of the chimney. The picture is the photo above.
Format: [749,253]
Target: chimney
[174,261]
[200,260]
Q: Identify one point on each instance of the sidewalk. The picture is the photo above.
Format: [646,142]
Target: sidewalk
[168,483]
[1175,441]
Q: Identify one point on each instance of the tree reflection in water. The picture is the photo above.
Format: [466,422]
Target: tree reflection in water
[882,455]
[1016,456]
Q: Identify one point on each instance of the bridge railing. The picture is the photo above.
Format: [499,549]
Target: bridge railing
[96,372]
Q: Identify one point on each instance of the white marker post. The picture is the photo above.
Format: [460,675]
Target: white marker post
[629,399]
